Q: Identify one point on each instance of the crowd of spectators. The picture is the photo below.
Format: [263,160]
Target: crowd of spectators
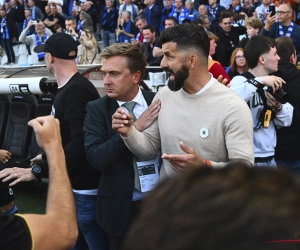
[233,22]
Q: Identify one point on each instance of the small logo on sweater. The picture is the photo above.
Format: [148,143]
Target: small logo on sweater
[203,133]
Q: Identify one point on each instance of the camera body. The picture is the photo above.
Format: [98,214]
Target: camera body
[69,32]
[280,95]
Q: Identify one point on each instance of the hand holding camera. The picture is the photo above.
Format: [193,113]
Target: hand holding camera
[274,82]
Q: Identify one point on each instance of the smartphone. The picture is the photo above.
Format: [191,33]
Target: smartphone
[120,27]
[272,9]
[34,22]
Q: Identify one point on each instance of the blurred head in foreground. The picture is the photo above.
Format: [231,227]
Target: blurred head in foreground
[231,208]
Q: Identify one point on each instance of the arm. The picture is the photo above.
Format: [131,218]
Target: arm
[60,201]
[88,44]
[283,112]
[157,52]
[40,14]
[246,90]
[102,150]
[23,38]
[238,132]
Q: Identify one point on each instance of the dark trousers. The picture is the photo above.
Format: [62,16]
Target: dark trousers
[115,242]
[8,47]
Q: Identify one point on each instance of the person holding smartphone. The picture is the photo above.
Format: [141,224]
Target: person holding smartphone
[284,26]
[127,29]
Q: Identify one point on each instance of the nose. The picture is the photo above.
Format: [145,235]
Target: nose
[163,63]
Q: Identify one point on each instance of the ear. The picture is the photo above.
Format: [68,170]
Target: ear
[191,61]
[137,77]
[262,60]
[293,59]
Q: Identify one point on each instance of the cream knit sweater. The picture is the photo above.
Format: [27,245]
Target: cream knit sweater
[188,118]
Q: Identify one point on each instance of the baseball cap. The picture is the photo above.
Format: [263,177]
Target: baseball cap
[58,45]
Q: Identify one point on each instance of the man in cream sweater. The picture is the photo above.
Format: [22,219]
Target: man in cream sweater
[201,122]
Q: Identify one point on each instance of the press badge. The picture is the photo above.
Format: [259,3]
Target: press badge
[148,174]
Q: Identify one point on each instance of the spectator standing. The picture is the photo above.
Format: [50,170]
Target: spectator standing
[169,7]
[238,63]
[89,9]
[40,36]
[214,67]
[228,39]
[288,141]
[140,23]
[129,6]
[17,14]
[88,48]
[36,13]
[54,18]
[193,13]
[254,26]
[129,30]
[267,112]
[27,19]
[147,48]
[284,27]
[153,14]
[109,21]
[214,11]
[180,12]
[263,10]
[9,34]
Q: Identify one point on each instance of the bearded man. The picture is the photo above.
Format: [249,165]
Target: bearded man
[201,122]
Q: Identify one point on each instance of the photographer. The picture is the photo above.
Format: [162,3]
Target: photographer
[42,34]
[267,109]
[71,29]
[88,48]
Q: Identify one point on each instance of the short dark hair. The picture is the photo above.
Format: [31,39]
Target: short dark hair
[234,208]
[175,21]
[285,48]
[225,14]
[255,47]
[71,19]
[188,37]
[197,21]
[186,20]
[149,27]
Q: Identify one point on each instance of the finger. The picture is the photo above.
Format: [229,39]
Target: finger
[186,148]
[172,158]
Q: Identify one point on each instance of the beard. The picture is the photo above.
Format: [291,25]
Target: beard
[179,77]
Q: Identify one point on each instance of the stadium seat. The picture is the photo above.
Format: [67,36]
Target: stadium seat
[18,134]
[4,106]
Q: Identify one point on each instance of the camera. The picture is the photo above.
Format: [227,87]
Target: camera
[279,95]
[69,32]
[34,22]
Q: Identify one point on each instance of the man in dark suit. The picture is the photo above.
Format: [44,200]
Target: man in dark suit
[123,68]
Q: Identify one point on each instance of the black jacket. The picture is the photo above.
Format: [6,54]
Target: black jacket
[107,152]
[227,44]
[288,138]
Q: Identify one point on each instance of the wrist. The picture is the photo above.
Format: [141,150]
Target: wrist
[129,132]
[278,108]
[208,163]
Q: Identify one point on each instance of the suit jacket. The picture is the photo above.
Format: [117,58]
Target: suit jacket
[107,152]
